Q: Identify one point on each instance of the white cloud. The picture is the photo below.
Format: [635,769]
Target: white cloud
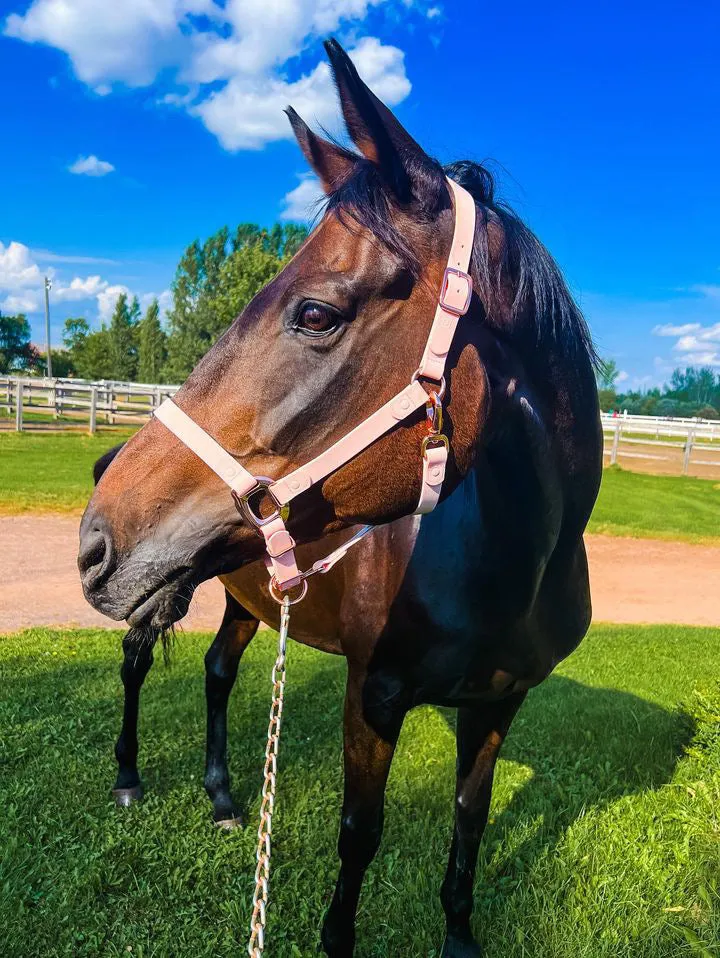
[706,289]
[27,302]
[164,301]
[21,285]
[668,329]
[79,289]
[106,300]
[232,67]
[18,270]
[301,203]
[127,42]
[622,377]
[91,166]
[434,12]
[47,256]
[247,112]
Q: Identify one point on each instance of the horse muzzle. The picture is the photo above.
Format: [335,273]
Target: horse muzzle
[150,586]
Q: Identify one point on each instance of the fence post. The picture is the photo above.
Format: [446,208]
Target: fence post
[93,410]
[688,449]
[616,443]
[19,408]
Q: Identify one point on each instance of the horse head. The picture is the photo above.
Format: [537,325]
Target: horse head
[336,334]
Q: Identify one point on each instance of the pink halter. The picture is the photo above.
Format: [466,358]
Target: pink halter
[453,302]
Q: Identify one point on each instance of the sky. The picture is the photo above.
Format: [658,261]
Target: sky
[131,129]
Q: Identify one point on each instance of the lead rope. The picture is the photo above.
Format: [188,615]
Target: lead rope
[256,945]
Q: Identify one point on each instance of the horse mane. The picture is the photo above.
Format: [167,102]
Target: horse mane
[542,312]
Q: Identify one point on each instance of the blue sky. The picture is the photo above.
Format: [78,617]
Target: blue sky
[130,129]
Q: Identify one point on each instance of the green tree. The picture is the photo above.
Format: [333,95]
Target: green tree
[63,363]
[94,360]
[244,274]
[152,345]
[215,280]
[607,373]
[122,340]
[15,349]
[75,332]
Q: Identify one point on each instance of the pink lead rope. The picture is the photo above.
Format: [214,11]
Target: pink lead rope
[453,302]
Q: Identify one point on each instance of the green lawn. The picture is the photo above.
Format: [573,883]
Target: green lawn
[53,473]
[41,472]
[604,838]
[660,507]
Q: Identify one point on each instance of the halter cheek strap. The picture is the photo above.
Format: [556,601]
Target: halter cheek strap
[453,302]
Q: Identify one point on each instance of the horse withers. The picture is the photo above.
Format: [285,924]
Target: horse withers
[469,606]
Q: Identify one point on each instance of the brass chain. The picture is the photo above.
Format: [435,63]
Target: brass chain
[267,806]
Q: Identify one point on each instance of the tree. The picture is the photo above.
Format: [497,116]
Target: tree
[122,340]
[607,373]
[244,274]
[16,351]
[152,345]
[75,332]
[63,363]
[214,282]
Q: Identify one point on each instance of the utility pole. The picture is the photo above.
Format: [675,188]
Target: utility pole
[48,287]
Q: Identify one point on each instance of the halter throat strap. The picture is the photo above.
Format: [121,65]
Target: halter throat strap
[453,302]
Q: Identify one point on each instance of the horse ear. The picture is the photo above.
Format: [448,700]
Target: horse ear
[374,129]
[332,163]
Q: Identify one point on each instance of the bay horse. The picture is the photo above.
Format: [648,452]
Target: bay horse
[469,606]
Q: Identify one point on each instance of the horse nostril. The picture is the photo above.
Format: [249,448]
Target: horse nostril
[95,560]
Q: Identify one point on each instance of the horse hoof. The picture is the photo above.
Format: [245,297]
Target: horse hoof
[125,797]
[229,824]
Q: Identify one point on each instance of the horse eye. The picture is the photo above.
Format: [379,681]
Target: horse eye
[317,318]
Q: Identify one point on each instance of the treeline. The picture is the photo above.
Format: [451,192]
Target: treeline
[214,281]
[691,392]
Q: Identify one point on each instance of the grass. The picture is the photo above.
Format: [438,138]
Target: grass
[50,472]
[604,838]
[659,507]
[53,473]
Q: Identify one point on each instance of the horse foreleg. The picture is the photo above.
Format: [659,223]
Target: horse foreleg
[221,666]
[480,733]
[137,659]
[368,753]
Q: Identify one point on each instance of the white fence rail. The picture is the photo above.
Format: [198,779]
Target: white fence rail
[114,402]
[684,442]
[694,437]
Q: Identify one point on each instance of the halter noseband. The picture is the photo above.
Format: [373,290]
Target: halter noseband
[453,302]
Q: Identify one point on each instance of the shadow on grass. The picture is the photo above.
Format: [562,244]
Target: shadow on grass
[585,747]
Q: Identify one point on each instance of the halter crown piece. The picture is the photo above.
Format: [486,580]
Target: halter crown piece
[453,302]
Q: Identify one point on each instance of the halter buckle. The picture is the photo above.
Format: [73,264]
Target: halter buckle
[254,518]
[440,439]
[456,291]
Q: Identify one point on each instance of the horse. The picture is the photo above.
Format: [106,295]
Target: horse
[468,606]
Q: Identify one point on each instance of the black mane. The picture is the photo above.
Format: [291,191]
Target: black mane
[543,311]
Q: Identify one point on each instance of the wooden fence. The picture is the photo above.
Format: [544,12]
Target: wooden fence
[32,401]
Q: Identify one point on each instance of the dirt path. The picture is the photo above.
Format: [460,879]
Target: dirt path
[633,580]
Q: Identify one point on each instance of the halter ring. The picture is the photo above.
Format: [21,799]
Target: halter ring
[279,596]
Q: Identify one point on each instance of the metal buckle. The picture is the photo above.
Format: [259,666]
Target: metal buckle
[455,310]
[430,440]
[250,515]
[279,595]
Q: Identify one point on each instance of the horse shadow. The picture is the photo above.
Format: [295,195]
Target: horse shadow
[580,747]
